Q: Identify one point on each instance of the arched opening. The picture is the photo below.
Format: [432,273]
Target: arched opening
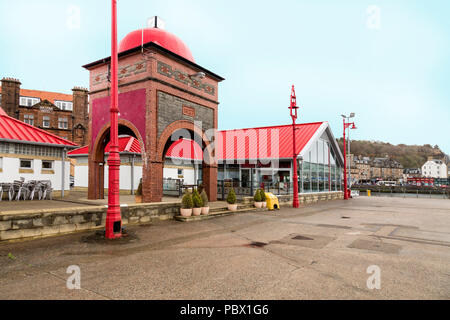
[128,137]
[182,145]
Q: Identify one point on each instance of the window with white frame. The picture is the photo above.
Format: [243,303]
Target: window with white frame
[28,118]
[63,123]
[26,164]
[1,163]
[47,165]
[29,102]
[64,105]
[46,121]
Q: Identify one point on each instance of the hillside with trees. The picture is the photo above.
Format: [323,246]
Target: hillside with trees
[410,156]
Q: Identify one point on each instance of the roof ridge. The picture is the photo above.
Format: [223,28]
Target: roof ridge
[278,126]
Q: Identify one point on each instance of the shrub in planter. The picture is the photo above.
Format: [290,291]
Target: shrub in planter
[186,205]
[205,208]
[257,199]
[198,203]
[263,197]
[231,200]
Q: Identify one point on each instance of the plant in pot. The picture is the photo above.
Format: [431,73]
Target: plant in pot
[263,198]
[198,203]
[205,208]
[186,205]
[138,195]
[257,199]
[231,200]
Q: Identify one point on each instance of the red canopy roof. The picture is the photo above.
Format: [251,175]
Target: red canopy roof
[13,129]
[126,144]
[245,144]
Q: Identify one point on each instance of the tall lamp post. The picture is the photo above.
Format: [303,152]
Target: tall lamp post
[293,108]
[347,125]
[113,227]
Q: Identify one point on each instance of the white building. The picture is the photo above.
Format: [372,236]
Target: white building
[32,154]
[434,169]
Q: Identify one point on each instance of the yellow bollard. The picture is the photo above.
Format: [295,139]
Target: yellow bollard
[369,193]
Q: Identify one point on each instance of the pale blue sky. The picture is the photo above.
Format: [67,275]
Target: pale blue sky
[393,72]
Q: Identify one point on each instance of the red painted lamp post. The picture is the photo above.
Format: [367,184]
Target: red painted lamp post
[293,107]
[346,125]
[113,227]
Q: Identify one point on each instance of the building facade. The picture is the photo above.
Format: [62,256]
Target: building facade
[434,168]
[61,114]
[32,154]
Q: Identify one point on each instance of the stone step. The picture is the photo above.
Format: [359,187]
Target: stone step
[215,214]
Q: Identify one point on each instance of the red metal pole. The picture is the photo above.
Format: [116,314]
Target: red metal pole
[295,201]
[345,168]
[113,227]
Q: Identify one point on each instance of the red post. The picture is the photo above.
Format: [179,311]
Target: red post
[113,227]
[293,107]
[345,167]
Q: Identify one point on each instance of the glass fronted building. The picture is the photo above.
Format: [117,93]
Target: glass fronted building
[320,162]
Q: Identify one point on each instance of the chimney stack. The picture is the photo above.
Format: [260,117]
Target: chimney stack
[10,96]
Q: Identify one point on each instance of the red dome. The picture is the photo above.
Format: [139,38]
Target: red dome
[159,36]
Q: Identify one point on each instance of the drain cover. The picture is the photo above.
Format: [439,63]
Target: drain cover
[301,238]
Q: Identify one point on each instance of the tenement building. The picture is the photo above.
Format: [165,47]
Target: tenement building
[61,114]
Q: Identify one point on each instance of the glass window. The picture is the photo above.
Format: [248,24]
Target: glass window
[46,122]
[26,164]
[63,123]
[28,118]
[306,174]
[48,165]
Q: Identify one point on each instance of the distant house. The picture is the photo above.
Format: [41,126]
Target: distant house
[434,168]
[32,153]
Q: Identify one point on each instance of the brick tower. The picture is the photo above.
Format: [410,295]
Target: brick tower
[163,95]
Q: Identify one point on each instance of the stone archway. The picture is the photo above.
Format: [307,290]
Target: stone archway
[97,159]
[153,175]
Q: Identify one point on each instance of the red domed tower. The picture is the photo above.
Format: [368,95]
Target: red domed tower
[163,94]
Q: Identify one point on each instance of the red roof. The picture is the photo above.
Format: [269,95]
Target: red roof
[126,144]
[45,95]
[161,37]
[264,142]
[245,144]
[13,129]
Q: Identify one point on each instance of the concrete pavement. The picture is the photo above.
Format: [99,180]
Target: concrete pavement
[316,252]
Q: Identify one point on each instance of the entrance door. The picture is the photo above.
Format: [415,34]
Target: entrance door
[245,178]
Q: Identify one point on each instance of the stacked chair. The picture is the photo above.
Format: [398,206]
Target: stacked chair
[30,190]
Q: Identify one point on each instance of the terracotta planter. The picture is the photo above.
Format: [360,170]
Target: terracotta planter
[205,211]
[197,211]
[232,207]
[264,204]
[258,204]
[138,199]
[186,212]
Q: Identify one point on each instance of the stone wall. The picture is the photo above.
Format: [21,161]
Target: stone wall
[49,222]
[18,225]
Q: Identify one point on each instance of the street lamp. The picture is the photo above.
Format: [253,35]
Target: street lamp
[347,125]
[293,108]
[113,226]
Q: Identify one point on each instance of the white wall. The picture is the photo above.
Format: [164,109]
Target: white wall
[10,172]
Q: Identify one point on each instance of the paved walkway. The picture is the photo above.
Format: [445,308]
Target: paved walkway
[316,252]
